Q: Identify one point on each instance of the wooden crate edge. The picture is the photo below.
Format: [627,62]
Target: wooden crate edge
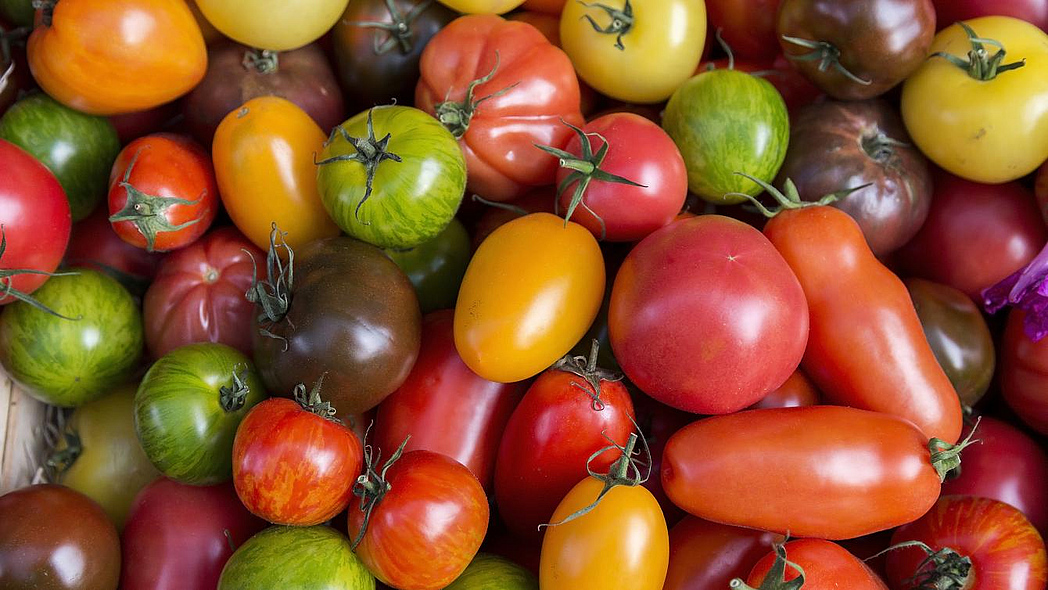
[22,420]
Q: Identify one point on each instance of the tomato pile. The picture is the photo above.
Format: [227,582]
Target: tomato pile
[527,294]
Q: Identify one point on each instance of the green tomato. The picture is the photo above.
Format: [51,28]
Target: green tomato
[69,361]
[18,12]
[78,148]
[292,558]
[490,572]
[436,267]
[726,121]
[413,166]
[188,408]
[99,455]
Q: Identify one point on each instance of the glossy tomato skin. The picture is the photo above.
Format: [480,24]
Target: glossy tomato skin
[826,565]
[174,169]
[124,43]
[492,571]
[540,200]
[796,90]
[706,555]
[658,422]
[276,27]
[747,27]
[770,463]
[198,294]
[499,143]
[948,12]
[75,547]
[1024,373]
[445,407]
[657,318]
[436,267]
[294,467]
[798,391]
[296,557]
[1006,551]
[36,218]
[552,433]
[175,538]
[427,527]
[856,303]
[263,155]
[94,244]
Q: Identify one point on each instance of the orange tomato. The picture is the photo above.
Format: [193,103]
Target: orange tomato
[263,154]
[107,57]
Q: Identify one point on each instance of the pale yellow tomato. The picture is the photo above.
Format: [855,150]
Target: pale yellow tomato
[278,25]
[482,6]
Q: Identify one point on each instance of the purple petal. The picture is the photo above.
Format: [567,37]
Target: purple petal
[1035,324]
[996,297]
[1026,288]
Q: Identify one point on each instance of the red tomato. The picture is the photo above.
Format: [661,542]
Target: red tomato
[658,422]
[747,26]
[797,391]
[975,234]
[162,192]
[948,12]
[993,547]
[562,420]
[426,523]
[94,244]
[826,565]
[445,407]
[796,90]
[1024,373]
[131,126]
[868,471]
[706,316]
[292,463]
[545,6]
[637,185]
[706,555]
[1040,190]
[541,200]
[178,537]
[532,88]
[198,295]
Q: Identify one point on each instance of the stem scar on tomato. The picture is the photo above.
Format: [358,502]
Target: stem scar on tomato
[372,485]
[980,65]
[621,21]
[6,290]
[399,29]
[776,577]
[273,294]
[455,116]
[262,61]
[827,54]
[586,367]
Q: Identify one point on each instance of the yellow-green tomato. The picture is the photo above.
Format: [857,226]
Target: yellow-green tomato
[99,454]
[635,51]
[530,292]
[277,25]
[482,6]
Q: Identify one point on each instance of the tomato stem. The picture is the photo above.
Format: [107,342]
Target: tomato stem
[372,485]
[946,457]
[586,367]
[398,29]
[776,577]
[827,55]
[262,61]
[879,146]
[313,402]
[789,198]
[949,570]
[505,206]
[232,397]
[273,293]
[980,65]
[455,116]
[727,48]
[58,462]
[47,8]
[621,21]
[7,274]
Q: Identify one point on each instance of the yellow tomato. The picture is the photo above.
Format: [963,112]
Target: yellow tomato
[278,25]
[990,130]
[482,6]
[263,154]
[530,293]
[644,50]
[622,544]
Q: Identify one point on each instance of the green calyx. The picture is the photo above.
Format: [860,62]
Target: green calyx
[826,54]
[980,64]
[370,153]
[262,61]
[6,275]
[585,169]
[942,569]
[776,578]
[233,396]
[398,30]
[372,486]
[273,294]
[313,403]
[879,146]
[946,457]
[789,198]
[456,116]
[58,462]
[586,367]
[620,24]
[47,8]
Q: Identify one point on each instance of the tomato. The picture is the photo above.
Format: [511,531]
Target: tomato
[797,391]
[188,408]
[436,267]
[446,408]
[94,244]
[293,461]
[19,12]
[705,555]
[548,7]
[797,92]
[822,565]
[978,544]
[530,292]
[395,192]
[105,58]
[236,74]
[717,349]
[98,454]
[482,6]
[76,357]
[296,557]
[56,538]
[870,471]
[420,521]
[491,571]
[1024,371]
[725,121]
[541,200]
[131,126]
[176,536]
[950,11]
[658,42]
[658,422]
[501,88]
[958,129]
[33,242]
[78,148]
[747,27]
[276,27]
[263,155]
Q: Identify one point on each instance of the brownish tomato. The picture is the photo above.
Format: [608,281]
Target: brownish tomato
[706,555]
[797,391]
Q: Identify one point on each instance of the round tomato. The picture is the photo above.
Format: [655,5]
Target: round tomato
[1024,373]
[495,215]
[104,57]
[18,12]
[131,126]
[748,27]
[436,267]
[274,26]
[482,6]
[296,557]
[797,391]
[530,292]
[992,126]
[821,565]
[263,154]
[94,244]
[706,555]
[657,42]
[948,12]
[492,572]
[188,408]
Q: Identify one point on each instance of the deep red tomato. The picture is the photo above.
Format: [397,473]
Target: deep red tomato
[500,87]
[131,126]
[621,177]
[421,520]
[948,12]
[747,26]
[94,244]
[563,419]
[658,422]
[179,536]
[198,295]
[975,234]
[1024,373]
[162,192]
[36,222]
[991,547]
[714,349]
[445,407]
[826,565]
[706,555]
[540,200]
[797,391]
[293,463]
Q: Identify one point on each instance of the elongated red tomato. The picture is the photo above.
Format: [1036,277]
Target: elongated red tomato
[821,471]
[826,565]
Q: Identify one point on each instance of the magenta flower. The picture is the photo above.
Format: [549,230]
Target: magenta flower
[1026,289]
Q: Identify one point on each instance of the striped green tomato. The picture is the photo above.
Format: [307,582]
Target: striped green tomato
[392,176]
[69,361]
[491,572]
